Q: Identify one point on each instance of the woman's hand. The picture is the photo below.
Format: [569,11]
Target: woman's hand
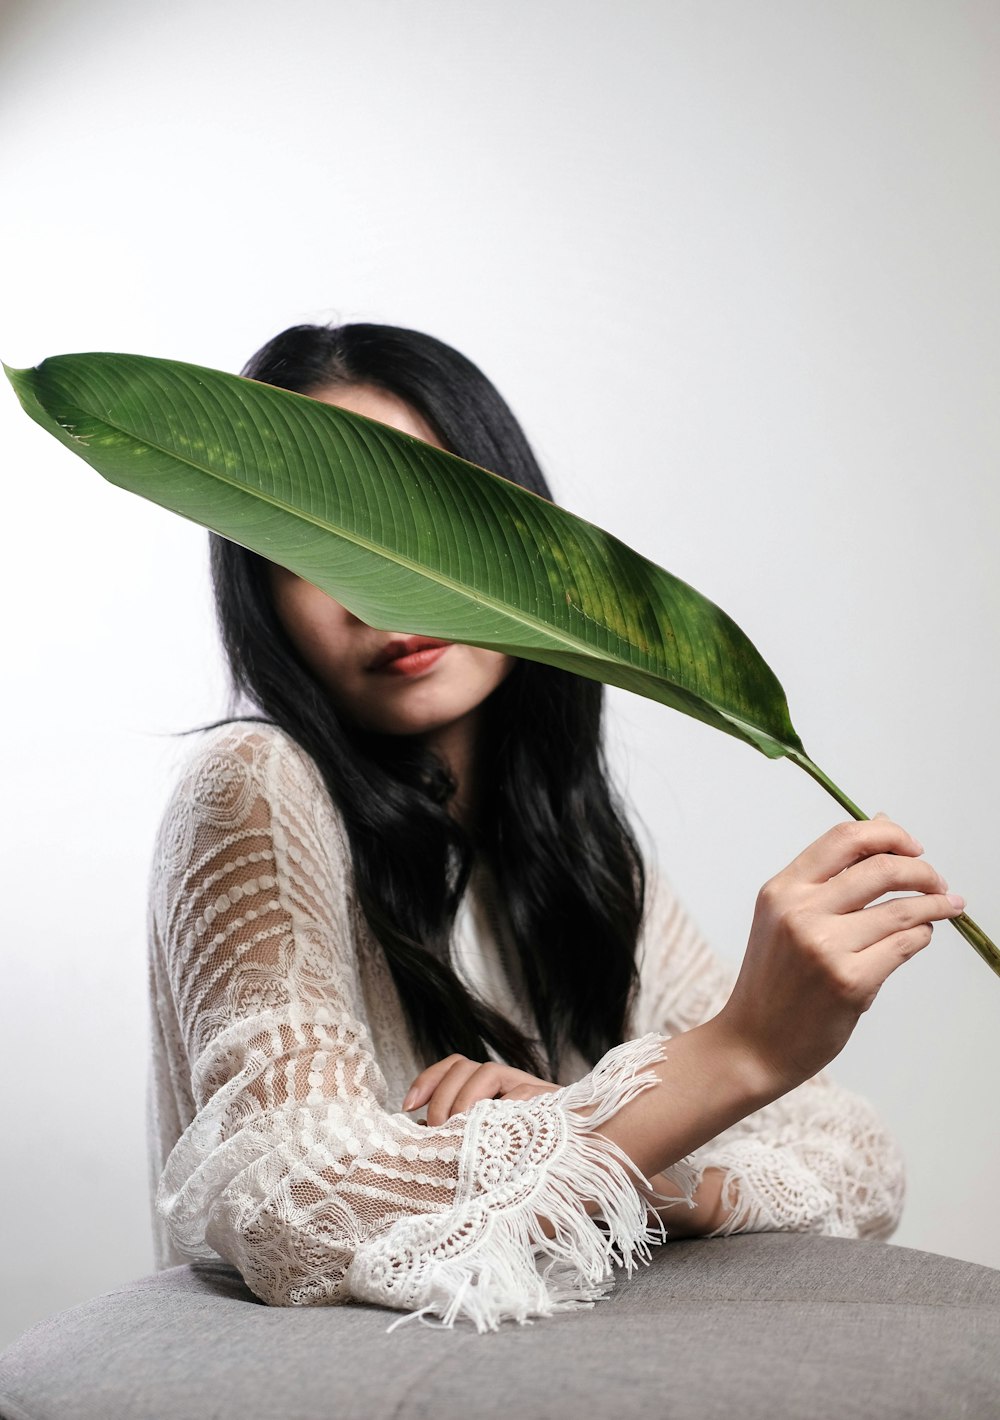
[453,1085]
[818,954]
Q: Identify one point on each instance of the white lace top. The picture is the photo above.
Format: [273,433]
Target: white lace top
[280,1056]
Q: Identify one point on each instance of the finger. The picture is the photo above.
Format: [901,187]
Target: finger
[529,1091]
[880,960]
[485,1084]
[902,914]
[439,1105]
[427,1082]
[847,843]
[863,882]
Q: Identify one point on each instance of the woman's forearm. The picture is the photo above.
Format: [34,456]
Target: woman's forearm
[708,1081]
[681,1221]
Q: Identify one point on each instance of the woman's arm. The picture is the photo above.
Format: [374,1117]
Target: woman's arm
[455,1085]
[745,1125]
[817,1157]
[746,1128]
[292,1168]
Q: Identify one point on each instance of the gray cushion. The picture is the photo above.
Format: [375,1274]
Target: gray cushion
[760,1326]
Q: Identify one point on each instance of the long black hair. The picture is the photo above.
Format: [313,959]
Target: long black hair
[568,870]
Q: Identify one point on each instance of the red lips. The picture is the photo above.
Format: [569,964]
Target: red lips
[403,646]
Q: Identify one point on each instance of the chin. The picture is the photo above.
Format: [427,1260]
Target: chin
[417,724]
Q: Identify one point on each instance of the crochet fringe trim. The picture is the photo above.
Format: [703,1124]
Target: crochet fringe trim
[769,1189]
[493,1274]
[743,1200]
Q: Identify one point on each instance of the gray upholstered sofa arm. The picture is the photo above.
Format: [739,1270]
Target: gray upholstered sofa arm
[758,1326]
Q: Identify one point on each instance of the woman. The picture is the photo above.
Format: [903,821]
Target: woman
[404,883]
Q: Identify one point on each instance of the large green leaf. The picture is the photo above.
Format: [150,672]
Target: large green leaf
[413,539]
[408,537]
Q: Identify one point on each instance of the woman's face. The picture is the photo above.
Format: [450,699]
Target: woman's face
[403,695]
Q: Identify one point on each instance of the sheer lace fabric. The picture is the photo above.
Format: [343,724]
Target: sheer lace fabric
[280,1056]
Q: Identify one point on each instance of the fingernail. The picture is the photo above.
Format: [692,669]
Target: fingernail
[410,1100]
[956,900]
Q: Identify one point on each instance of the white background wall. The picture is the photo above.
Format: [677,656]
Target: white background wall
[735,267]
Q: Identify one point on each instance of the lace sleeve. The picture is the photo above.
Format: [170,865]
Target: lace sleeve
[817,1159]
[292,1168]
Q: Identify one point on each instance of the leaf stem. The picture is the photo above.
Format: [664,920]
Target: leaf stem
[963,924]
[804,762]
